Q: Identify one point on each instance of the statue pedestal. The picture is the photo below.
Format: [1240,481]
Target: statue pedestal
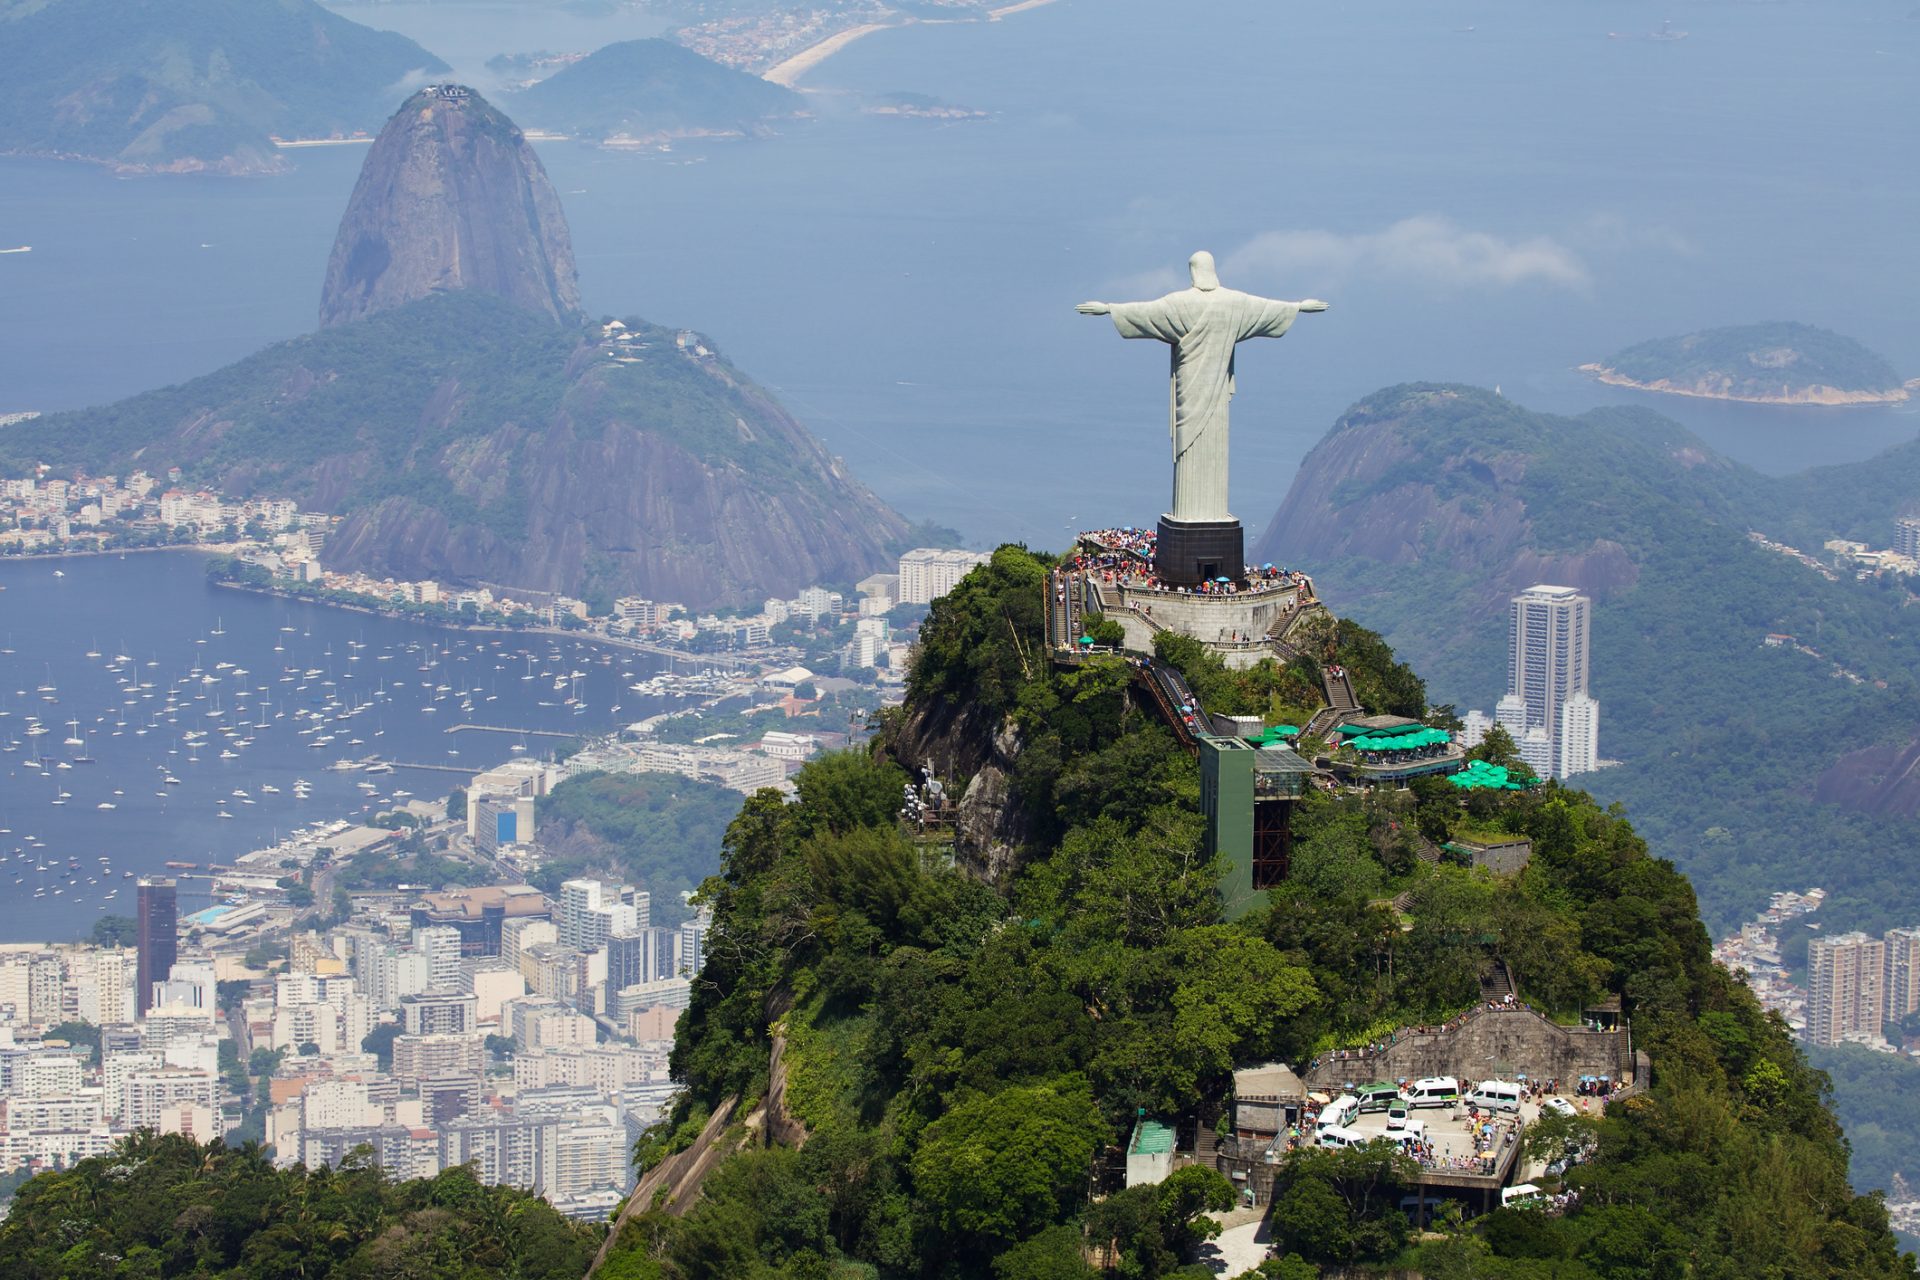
[1195,551]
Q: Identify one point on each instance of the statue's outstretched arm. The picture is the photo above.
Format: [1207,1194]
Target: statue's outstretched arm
[1312,304]
[1094,308]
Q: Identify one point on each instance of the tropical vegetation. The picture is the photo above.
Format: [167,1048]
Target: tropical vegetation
[169,1206]
[958,1053]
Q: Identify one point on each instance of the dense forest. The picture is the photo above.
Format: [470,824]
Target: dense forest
[169,1206]
[1728,747]
[659,831]
[956,1052]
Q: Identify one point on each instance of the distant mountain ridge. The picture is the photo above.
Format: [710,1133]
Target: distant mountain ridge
[652,88]
[191,85]
[450,197]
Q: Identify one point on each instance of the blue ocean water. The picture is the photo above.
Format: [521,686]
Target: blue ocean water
[1488,191]
[138,670]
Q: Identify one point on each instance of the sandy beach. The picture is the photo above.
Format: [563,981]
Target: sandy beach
[789,71]
[785,73]
[1006,10]
[1815,396]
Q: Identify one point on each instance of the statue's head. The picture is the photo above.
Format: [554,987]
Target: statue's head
[1200,267]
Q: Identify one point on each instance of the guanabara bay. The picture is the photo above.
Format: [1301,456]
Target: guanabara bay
[488,793]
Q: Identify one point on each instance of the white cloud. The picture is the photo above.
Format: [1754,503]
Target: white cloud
[1426,248]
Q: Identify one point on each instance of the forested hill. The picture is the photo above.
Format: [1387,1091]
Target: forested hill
[466,439]
[1755,768]
[1426,506]
[184,85]
[642,88]
[955,1050]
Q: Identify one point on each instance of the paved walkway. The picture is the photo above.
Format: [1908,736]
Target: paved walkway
[1241,1246]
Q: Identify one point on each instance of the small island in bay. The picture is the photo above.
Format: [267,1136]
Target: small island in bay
[1780,363]
[641,93]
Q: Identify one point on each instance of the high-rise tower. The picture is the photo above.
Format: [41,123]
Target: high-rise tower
[158,939]
[1547,662]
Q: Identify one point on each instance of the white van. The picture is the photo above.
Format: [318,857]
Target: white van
[1335,1136]
[1497,1095]
[1521,1194]
[1433,1091]
[1341,1111]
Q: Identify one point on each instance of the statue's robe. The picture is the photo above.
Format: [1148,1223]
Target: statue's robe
[1202,326]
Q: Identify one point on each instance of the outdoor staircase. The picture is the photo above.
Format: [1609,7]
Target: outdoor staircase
[1206,1143]
[1341,705]
[1340,694]
[1497,984]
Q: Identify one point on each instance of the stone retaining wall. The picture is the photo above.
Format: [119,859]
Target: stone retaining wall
[1482,1044]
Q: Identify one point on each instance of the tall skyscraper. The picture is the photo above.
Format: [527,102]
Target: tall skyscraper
[1845,992]
[157,939]
[1547,660]
[1903,972]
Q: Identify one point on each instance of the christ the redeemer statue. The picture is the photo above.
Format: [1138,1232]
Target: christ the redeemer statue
[1202,325]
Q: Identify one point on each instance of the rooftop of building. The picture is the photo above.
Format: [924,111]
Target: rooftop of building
[471,904]
[1151,1138]
[1275,1080]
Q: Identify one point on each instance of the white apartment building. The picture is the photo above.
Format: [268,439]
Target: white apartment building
[693,944]
[1579,744]
[118,1068]
[150,1093]
[440,946]
[416,1057]
[927,573]
[81,1109]
[1903,972]
[590,1157]
[49,1074]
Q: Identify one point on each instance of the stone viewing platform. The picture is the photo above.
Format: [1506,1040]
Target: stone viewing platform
[1111,572]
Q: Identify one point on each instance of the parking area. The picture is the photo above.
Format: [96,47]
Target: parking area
[1449,1139]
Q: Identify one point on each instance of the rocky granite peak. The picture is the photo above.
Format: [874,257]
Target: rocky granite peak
[451,197]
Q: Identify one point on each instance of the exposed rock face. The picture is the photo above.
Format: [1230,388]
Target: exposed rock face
[451,197]
[961,742]
[1882,780]
[470,427]
[466,440]
[1377,489]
